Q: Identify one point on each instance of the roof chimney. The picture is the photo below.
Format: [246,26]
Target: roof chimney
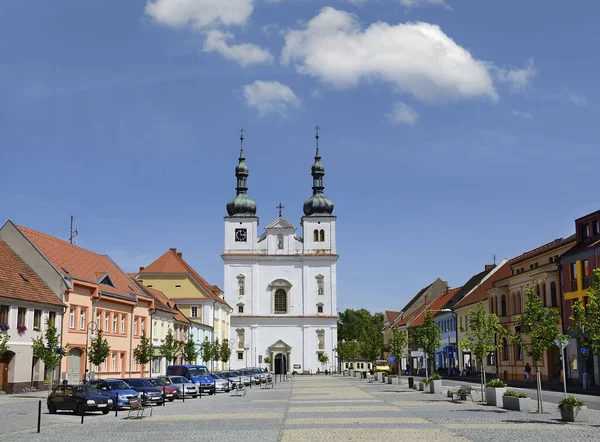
[489,267]
[142,268]
[173,249]
[180,254]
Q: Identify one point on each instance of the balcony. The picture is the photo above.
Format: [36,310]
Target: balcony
[573,285]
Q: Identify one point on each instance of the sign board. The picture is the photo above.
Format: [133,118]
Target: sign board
[584,351]
[421,359]
[560,344]
[297,366]
[450,352]
[392,358]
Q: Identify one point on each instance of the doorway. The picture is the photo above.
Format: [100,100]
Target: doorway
[4,365]
[280,364]
[74,366]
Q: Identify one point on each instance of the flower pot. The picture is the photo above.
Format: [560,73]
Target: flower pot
[574,414]
[384,379]
[494,395]
[379,377]
[421,386]
[390,380]
[517,403]
[435,386]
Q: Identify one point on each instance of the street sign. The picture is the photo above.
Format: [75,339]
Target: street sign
[450,352]
[584,351]
[561,344]
[392,358]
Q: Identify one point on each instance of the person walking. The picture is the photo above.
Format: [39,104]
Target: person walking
[86,376]
[527,372]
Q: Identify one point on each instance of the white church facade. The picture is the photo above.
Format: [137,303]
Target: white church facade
[282,286]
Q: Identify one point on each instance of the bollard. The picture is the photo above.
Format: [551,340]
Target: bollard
[183,392]
[200,391]
[82,416]
[116,403]
[39,415]
[411,382]
[164,397]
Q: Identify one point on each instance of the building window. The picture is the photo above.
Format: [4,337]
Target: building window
[114,319]
[319,308]
[194,311]
[135,327]
[316,236]
[504,349]
[240,308]
[280,241]
[21,316]
[585,273]
[553,297]
[71,317]
[106,322]
[37,319]
[573,272]
[52,317]
[240,355]
[545,303]
[596,228]
[98,318]
[280,301]
[82,318]
[122,324]
[503,305]
[585,231]
[142,325]
[113,363]
[4,309]
[322,235]
[518,353]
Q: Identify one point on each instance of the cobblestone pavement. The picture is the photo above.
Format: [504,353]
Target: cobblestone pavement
[317,408]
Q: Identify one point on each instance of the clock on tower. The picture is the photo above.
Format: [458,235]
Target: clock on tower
[240,235]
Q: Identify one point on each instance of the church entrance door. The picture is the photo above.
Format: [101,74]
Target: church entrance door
[280,364]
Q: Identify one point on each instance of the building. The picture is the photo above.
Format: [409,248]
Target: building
[577,275]
[388,320]
[536,269]
[26,302]
[282,285]
[200,302]
[98,295]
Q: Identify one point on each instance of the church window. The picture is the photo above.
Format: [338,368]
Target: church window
[316,235]
[240,308]
[322,235]
[319,308]
[280,241]
[280,301]
[240,355]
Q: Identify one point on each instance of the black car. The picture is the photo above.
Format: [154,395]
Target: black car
[78,398]
[150,394]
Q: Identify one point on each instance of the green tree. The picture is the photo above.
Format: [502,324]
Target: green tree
[323,358]
[428,337]
[353,323]
[98,350]
[537,327]
[225,352]
[170,347]
[371,344]
[189,351]
[480,339]
[48,349]
[585,320]
[215,352]
[206,350]
[3,343]
[143,352]
[347,350]
[398,346]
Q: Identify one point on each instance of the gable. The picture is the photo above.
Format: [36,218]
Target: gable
[280,223]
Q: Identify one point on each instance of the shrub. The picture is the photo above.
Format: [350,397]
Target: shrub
[433,377]
[294,373]
[511,393]
[570,402]
[392,375]
[496,383]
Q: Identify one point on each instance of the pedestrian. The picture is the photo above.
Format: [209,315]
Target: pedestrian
[527,372]
[86,376]
[407,369]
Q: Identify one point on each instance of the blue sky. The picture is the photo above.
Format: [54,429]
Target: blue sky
[450,131]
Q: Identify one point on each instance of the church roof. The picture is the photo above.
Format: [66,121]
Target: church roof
[173,263]
[280,223]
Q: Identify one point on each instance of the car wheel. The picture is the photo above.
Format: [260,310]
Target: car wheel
[194,396]
[51,408]
[210,393]
[105,411]
[80,410]
[171,399]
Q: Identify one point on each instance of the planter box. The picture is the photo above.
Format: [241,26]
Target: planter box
[435,387]
[574,414]
[515,403]
[384,379]
[494,395]
[390,381]
[351,372]
[379,377]
[421,386]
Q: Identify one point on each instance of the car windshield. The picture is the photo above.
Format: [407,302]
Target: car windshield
[217,375]
[179,380]
[157,382]
[198,371]
[139,383]
[117,385]
[85,389]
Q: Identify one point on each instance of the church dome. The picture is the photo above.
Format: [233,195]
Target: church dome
[241,205]
[318,205]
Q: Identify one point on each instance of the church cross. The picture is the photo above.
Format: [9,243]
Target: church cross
[242,133]
[280,207]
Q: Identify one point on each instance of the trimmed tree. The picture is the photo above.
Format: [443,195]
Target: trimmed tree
[225,352]
[98,350]
[537,327]
[215,352]
[206,351]
[398,346]
[143,352]
[371,344]
[189,351]
[481,337]
[348,350]
[428,337]
[170,347]
[3,343]
[48,349]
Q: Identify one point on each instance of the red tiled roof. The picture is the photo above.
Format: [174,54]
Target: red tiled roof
[437,304]
[480,293]
[172,263]
[543,248]
[13,286]
[81,264]
[391,316]
[162,302]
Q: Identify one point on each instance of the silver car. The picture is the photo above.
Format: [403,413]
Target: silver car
[221,382]
[182,385]
[233,378]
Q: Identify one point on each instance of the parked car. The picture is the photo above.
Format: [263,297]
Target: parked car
[233,378]
[150,394]
[251,374]
[244,377]
[221,382]
[169,391]
[118,390]
[181,385]
[198,374]
[78,398]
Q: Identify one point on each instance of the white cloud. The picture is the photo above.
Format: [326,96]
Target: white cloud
[199,14]
[270,97]
[519,79]
[577,100]
[419,3]
[416,58]
[402,113]
[245,54]
[520,114]
[269,29]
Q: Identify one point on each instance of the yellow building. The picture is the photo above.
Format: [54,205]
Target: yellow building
[201,302]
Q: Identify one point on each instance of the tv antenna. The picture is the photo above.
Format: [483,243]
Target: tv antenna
[494,255]
[73,233]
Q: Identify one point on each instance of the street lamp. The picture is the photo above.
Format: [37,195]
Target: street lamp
[91,327]
[246,348]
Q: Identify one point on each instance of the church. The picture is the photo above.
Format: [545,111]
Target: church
[281,285]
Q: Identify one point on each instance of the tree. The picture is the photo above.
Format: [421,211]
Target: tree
[585,320]
[215,351]
[50,351]
[206,350]
[323,358]
[99,350]
[170,347]
[370,346]
[398,345]
[225,352]
[428,337]
[535,331]
[347,350]
[143,352]
[3,343]
[353,323]
[480,339]
[189,351]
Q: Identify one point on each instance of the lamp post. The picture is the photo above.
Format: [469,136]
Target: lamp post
[246,348]
[91,327]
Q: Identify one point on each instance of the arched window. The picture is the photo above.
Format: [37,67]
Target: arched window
[503,305]
[322,235]
[544,302]
[504,349]
[518,297]
[553,300]
[280,241]
[280,301]
[514,303]
[316,236]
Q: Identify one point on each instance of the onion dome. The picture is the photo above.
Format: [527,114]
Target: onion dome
[318,204]
[242,204]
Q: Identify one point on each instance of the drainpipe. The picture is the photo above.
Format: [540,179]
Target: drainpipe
[131,336]
[151,339]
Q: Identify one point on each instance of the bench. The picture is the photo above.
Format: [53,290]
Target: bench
[238,388]
[461,394]
[372,378]
[267,384]
[137,407]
